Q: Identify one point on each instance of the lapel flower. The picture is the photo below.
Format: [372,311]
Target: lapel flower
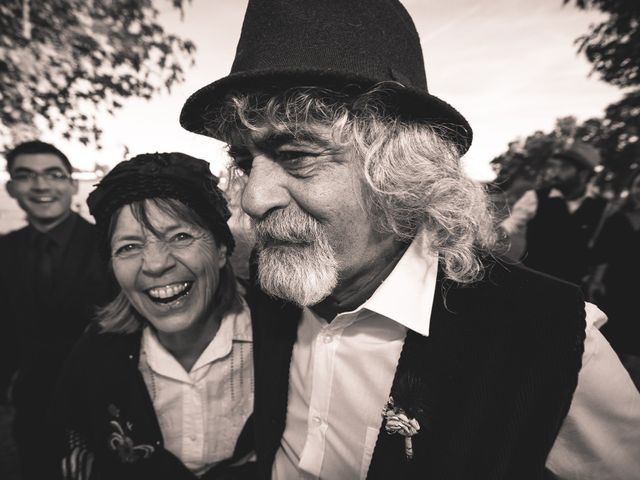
[404,412]
[397,421]
[120,441]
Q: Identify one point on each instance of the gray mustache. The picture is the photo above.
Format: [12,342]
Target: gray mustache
[288,225]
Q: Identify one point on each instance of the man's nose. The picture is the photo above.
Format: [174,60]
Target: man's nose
[39,183]
[157,259]
[266,188]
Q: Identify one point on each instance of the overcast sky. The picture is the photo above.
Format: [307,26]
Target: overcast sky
[509,66]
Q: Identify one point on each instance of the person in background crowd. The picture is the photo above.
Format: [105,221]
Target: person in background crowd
[618,250]
[562,217]
[51,277]
[396,346]
[163,386]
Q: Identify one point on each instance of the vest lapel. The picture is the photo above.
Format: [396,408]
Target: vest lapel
[424,383]
[275,328]
[130,394]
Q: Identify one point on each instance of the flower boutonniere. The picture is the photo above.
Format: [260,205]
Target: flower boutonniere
[121,442]
[404,411]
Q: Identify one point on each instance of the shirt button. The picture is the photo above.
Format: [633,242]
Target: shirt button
[317,420]
[327,338]
[192,438]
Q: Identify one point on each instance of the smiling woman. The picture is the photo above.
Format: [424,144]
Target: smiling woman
[167,377]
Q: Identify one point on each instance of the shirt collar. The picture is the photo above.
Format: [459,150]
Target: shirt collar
[406,295]
[234,327]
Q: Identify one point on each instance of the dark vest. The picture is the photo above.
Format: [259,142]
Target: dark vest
[557,241]
[496,376]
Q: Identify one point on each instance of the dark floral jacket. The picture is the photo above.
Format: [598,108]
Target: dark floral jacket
[105,423]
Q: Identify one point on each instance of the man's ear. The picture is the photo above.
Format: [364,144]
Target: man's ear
[75,185]
[222,255]
[9,187]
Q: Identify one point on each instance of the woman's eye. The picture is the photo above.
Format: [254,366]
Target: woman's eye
[127,249]
[182,237]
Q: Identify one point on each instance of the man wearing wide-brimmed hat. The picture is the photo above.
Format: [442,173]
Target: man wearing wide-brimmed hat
[562,218]
[388,341]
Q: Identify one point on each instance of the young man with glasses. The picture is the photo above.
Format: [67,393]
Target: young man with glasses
[51,279]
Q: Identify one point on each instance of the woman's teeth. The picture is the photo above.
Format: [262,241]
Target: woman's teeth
[169,291]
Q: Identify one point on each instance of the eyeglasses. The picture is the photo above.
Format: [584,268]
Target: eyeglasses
[53,176]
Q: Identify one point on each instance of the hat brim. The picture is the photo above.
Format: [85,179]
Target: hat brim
[410,101]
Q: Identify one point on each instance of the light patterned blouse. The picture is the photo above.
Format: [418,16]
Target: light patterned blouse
[202,412]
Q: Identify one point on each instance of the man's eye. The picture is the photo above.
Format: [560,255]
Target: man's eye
[290,155]
[243,164]
[57,175]
[23,176]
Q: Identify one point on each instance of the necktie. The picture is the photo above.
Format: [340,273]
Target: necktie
[44,266]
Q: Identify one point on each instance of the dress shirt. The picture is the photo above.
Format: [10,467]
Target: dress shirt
[341,374]
[202,412]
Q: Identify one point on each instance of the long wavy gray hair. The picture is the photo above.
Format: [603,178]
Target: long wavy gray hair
[412,173]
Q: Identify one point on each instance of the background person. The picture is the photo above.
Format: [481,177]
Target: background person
[562,216]
[374,244]
[164,387]
[619,249]
[50,280]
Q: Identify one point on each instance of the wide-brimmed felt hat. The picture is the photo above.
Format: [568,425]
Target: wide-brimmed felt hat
[335,44]
[580,153]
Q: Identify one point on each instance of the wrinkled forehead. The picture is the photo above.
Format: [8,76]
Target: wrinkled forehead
[154,217]
[268,136]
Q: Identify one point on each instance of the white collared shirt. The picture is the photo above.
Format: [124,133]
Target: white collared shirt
[202,412]
[341,374]
[526,208]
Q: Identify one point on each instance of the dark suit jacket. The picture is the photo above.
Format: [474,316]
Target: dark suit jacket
[496,375]
[36,337]
[558,241]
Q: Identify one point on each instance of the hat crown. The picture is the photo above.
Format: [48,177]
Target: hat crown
[582,153]
[369,39]
[345,45]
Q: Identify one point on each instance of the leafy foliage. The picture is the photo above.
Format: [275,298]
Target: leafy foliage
[613,46]
[64,60]
[519,167]
[617,136]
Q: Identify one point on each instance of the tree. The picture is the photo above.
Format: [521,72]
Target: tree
[619,138]
[613,46]
[518,168]
[64,60]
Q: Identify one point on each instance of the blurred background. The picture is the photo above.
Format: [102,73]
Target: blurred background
[105,80]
